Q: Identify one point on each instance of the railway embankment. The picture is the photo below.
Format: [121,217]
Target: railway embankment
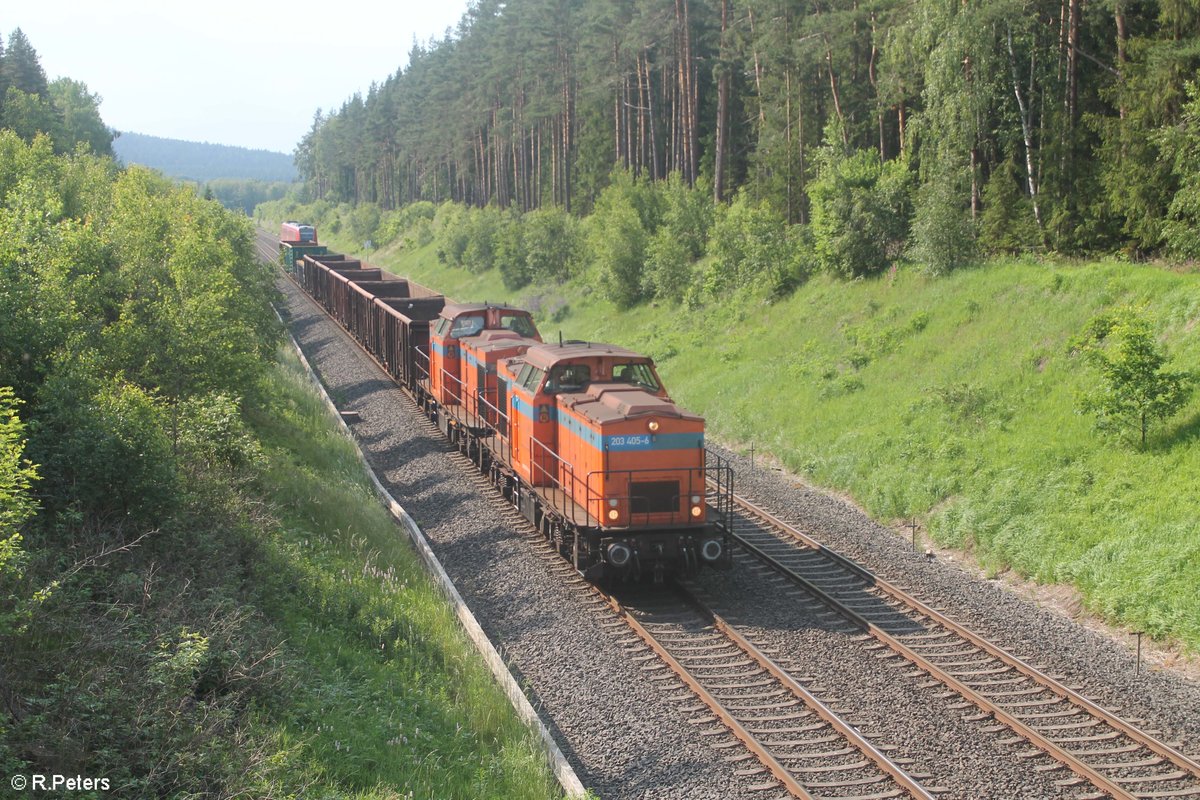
[951,403]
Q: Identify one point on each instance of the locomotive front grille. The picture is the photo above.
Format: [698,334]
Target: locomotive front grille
[654,497]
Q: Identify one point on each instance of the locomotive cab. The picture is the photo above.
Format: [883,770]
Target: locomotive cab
[482,354]
[461,321]
[614,457]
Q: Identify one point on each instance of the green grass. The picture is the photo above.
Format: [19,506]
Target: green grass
[951,399]
[391,700]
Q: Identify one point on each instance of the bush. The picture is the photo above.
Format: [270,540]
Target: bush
[1135,389]
[687,213]
[479,255]
[105,447]
[551,240]
[752,245]
[510,255]
[860,211]
[942,232]
[451,233]
[619,244]
[364,220]
[668,266]
[413,223]
[627,213]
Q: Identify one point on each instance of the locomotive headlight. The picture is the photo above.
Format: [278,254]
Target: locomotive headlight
[612,514]
[612,502]
[653,426]
[697,511]
[695,499]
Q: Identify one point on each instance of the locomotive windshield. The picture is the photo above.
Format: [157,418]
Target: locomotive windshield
[638,374]
[530,378]
[466,326]
[518,323]
[569,378]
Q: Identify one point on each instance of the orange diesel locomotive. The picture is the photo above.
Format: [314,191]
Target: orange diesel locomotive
[610,469]
[581,437]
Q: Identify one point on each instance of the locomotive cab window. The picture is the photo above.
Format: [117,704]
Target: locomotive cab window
[532,380]
[518,323]
[441,327]
[466,326]
[638,374]
[569,378]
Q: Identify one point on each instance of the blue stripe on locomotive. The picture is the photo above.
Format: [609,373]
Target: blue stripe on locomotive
[621,442]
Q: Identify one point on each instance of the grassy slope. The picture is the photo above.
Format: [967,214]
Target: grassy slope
[392,701]
[953,399]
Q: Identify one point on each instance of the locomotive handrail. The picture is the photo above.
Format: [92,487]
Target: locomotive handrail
[418,355]
[567,496]
[482,401]
[697,485]
[724,489]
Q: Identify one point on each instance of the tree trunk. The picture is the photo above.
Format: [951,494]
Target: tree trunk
[1122,54]
[1026,129]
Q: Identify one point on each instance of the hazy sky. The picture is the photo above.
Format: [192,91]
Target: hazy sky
[247,73]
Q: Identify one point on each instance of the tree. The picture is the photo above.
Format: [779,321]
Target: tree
[79,111]
[1135,390]
[21,68]
[16,473]
[29,114]
[861,210]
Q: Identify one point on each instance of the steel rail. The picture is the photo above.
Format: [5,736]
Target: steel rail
[868,749]
[1035,737]
[777,770]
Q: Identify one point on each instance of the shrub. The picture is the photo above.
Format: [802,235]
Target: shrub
[104,445]
[451,233]
[1135,390]
[619,231]
[551,239]
[364,220]
[619,243]
[687,213]
[752,245]
[479,255]
[860,211]
[668,266]
[942,232]
[413,223]
[510,253]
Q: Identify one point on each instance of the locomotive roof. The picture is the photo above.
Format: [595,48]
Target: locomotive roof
[545,356]
[453,310]
[611,402]
[492,339]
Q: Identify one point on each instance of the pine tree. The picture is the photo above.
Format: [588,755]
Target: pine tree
[21,68]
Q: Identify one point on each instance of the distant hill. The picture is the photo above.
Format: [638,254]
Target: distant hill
[200,161]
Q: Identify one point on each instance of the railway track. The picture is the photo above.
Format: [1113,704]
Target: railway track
[799,745]
[790,741]
[1100,748]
